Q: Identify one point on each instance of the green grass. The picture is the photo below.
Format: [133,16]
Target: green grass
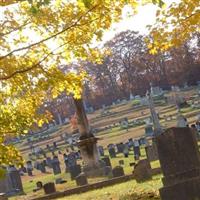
[125,191]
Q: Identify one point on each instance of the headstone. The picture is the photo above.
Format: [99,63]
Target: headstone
[180,162]
[29,168]
[15,181]
[142,171]
[71,159]
[74,171]
[149,130]
[42,167]
[112,152]
[151,152]
[55,145]
[106,159]
[101,150]
[126,151]
[55,165]
[108,171]
[120,147]
[48,161]
[118,171]
[81,179]
[49,188]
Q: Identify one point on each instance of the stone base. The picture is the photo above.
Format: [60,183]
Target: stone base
[185,190]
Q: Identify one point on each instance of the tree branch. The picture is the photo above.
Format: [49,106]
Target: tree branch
[50,37]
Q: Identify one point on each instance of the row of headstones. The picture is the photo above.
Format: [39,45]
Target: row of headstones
[70,160]
[124,148]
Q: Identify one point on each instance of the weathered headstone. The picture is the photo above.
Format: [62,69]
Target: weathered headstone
[180,162]
[74,171]
[151,152]
[15,181]
[120,147]
[118,171]
[101,150]
[49,188]
[56,165]
[142,171]
[29,168]
[112,152]
[106,159]
[81,179]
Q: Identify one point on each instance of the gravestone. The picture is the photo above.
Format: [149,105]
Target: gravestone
[149,130]
[14,179]
[49,188]
[180,162]
[101,150]
[55,165]
[81,179]
[71,160]
[112,152]
[42,167]
[120,147]
[126,151]
[151,152]
[118,171]
[142,171]
[54,145]
[48,161]
[74,171]
[106,159]
[108,171]
[29,168]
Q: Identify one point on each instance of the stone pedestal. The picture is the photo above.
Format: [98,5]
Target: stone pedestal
[180,162]
[89,153]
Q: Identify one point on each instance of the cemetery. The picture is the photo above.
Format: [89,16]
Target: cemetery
[128,155]
[99,100]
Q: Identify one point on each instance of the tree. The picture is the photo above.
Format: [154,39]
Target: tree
[175,25]
[36,38]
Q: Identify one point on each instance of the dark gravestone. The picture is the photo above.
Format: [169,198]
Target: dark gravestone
[74,171]
[152,152]
[81,179]
[180,162]
[29,168]
[142,171]
[118,171]
[101,150]
[14,179]
[71,159]
[136,150]
[49,188]
[42,167]
[125,151]
[48,161]
[55,165]
[54,145]
[107,171]
[112,152]
[106,159]
[120,147]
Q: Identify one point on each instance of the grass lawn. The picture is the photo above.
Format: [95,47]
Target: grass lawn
[125,191]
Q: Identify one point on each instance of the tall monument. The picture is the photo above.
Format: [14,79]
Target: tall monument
[87,142]
[156,124]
